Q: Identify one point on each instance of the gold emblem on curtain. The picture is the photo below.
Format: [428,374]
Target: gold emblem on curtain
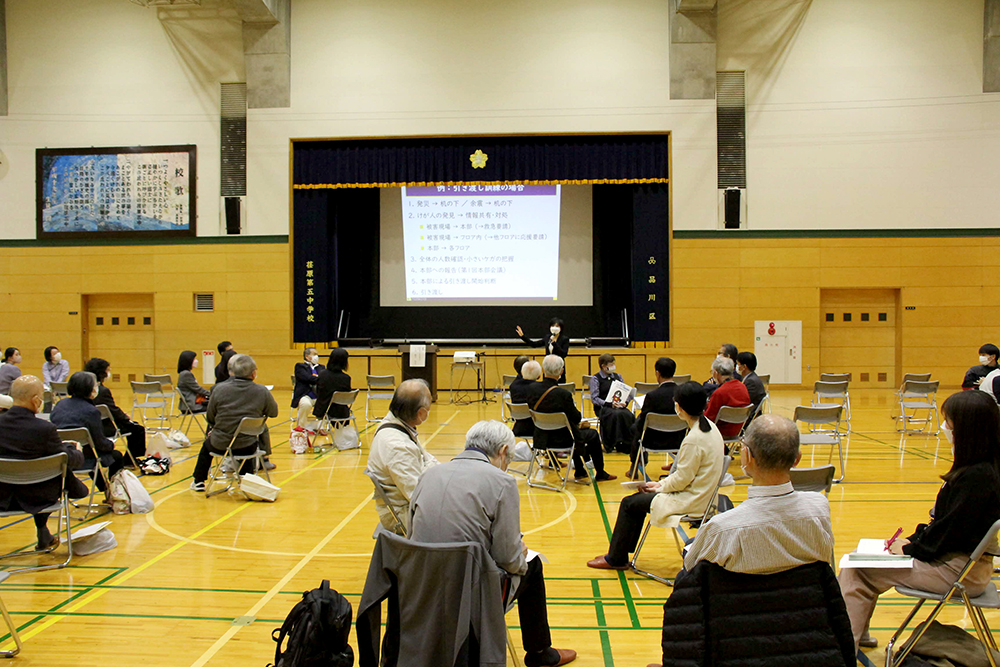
[478,159]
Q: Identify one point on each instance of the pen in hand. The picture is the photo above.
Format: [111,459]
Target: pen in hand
[888,543]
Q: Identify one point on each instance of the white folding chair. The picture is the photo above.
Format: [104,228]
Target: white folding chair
[515,412]
[192,417]
[766,381]
[380,388]
[82,436]
[832,389]
[585,397]
[814,418]
[326,425]
[165,381]
[916,398]
[59,391]
[681,379]
[118,436]
[571,388]
[383,497]
[733,415]
[812,479]
[18,472]
[228,464]
[550,421]
[13,628]
[505,395]
[988,599]
[144,397]
[678,532]
[643,388]
[661,423]
[916,377]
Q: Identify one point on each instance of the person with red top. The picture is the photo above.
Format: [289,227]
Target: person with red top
[730,392]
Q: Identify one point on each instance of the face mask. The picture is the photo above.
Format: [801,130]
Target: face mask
[57,357]
[314,358]
[948,433]
[612,368]
[194,364]
[93,394]
[983,359]
[554,330]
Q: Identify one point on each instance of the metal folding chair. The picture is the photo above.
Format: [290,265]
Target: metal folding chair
[59,391]
[82,436]
[345,398]
[661,423]
[192,417]
[731,415]
[766,381]
[988,599]
[916,396]
[165,381]
[383,497]
[505,395]
[831,392]
[585,396]
[517,411]
[32,471]
[118,436]
[253,426]
[681,379]
[643,388]
[916,377]
[550,421]
[13,628]
[144,397]
[571,388]
[812,479]
[678,532]
[380,388]
[814,418]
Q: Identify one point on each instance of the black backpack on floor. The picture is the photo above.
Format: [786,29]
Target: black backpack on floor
[317,629]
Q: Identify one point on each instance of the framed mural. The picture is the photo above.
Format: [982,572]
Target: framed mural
[138,192]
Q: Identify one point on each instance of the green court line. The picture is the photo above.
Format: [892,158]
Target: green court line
[609,660]
[621,575]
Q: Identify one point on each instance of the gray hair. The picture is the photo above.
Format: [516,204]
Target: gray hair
[306,352]
[242,366]
[774,442]
[552,365]
[409,397]
[723,366]
[531,370]
[489,437]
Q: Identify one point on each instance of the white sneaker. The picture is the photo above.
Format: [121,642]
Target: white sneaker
[198,486]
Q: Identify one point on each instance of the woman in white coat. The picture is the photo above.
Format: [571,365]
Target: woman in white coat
[687,490]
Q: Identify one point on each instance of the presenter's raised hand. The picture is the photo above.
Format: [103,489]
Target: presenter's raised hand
[519,331]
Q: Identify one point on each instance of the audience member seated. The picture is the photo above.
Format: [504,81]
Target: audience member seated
[9,370]
[746,364]
[472,499]
[659,401]
[304,393]
[730,392]
[78,411]
[687,490]
[396,458]
[55,368]
[230,402]
[988,355]
[134,432]
[528,374]
[23,436]
[616,418]
[728,351]
[332,378]
[547,396]
[195,396]
[967,505]
[226,352]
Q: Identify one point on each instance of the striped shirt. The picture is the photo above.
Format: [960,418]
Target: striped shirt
[775,529]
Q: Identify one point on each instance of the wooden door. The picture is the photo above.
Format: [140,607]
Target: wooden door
[119,328]
[858,335]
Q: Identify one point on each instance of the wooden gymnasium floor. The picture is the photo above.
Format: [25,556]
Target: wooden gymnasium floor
[204,581]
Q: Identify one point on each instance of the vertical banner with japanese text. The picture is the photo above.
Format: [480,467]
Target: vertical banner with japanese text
[312,274]
[650,257]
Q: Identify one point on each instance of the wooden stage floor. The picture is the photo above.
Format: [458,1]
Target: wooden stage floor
[205,581]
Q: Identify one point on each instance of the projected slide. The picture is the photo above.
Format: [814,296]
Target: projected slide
[481,242]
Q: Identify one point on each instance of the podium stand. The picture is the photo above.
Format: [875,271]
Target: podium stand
[428,372]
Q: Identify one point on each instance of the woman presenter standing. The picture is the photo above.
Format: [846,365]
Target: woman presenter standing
[557,342]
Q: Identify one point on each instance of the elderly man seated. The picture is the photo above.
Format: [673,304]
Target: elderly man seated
[472,499]
[547,396]
[22,436]
[396,457]
[231,401]
[529,373]
[730,392]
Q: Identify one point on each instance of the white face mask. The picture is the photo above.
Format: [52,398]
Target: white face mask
[57,357]
[194,364]
[948,433]
[612,368]
[314,358]
[983,359]
[93,394]
[554,330]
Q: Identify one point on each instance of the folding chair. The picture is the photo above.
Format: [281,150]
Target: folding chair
[380,387]
[585,396]
[505,395]
[59,391]
[253,426]
[663,424]
[515,412]
[730,415]
[916,377]
[82,436]
[766,381]
[834,392]
[165,381]
[381,496]
[914,397]
[571,388]
[345,398]
[815,417]
[144,397]
[106,417]
[643,388]
[13,628]
[812,479]
[988,599]
[33,471]
[550,421]
[678,532]
[192,417]
[681,379]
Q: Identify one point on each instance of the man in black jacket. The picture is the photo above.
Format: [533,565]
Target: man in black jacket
[528,374]
[23,436]
[659,401]
[547,396]
[746,364]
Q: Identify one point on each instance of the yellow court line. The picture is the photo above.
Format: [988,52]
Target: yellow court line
[231,632]
[565,515]
[439,429]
